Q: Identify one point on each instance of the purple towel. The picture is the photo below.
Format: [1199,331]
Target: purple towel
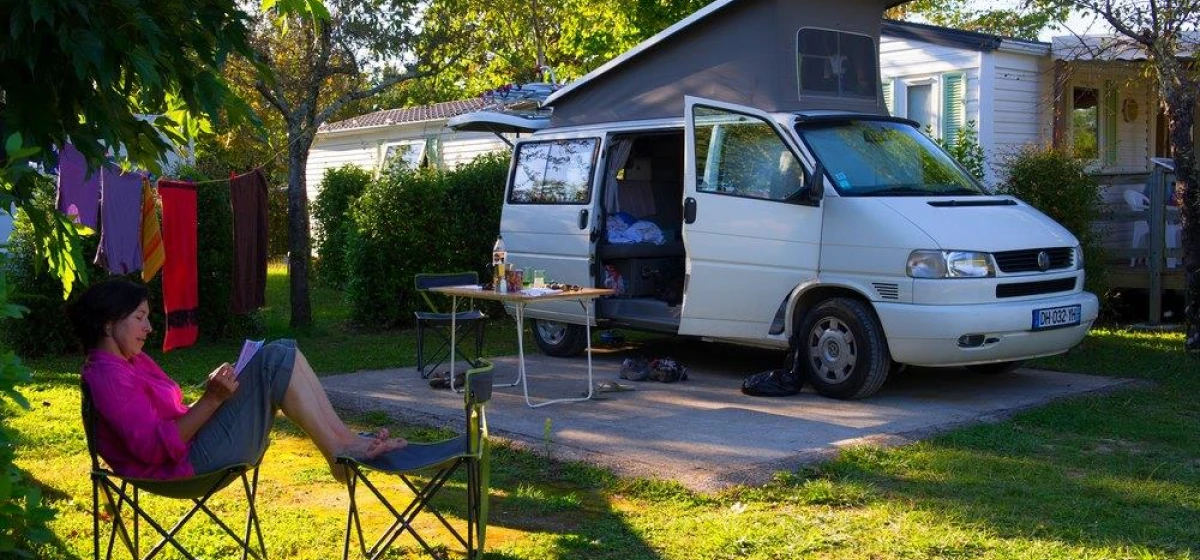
[120,249]
[78,192]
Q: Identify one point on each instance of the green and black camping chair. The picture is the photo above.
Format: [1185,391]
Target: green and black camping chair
[436,321]
[122,492]
[438,461]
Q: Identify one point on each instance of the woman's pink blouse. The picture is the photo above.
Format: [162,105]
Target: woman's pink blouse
[138,406]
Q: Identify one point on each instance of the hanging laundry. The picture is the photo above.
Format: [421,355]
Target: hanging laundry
[151,234]
[78,190]
[248,196]
[181,298]
[120,249]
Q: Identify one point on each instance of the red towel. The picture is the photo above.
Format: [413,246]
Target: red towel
[180,288]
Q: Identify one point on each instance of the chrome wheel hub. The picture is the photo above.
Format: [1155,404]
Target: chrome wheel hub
[552,332]
[832,350]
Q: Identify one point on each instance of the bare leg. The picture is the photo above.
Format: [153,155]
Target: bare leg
[306,404]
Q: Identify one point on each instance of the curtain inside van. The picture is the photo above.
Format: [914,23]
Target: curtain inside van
[620,154]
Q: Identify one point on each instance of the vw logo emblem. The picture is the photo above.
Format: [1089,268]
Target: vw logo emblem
[1043,261]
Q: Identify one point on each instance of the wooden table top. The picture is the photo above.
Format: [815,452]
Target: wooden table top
[476,292]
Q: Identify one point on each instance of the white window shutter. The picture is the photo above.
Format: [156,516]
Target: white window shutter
[954,106]
[1108,126]
[888,98]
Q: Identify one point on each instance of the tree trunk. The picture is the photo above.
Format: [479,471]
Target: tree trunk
[1181,107]
[299,246]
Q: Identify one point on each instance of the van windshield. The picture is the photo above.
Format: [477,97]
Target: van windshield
[884,158]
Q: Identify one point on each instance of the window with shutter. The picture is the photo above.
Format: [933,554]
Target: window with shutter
[888,100]
[954,106]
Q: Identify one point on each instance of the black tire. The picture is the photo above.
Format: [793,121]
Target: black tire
[558,339]
[845,352]
[998,368]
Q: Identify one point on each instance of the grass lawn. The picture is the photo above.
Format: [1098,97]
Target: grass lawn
[1105,476]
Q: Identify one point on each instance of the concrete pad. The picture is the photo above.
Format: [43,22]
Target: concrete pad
[703,432]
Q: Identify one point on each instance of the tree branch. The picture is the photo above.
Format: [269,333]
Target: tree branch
[383,84]
[276,98]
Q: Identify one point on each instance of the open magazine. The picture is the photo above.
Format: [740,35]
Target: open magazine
[249,349]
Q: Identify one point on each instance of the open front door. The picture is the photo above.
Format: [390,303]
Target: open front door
[750,232]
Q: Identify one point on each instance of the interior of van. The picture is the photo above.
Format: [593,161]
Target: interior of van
[640,250]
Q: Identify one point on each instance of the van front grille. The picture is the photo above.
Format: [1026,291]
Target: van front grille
[1026,260]
[1035,288]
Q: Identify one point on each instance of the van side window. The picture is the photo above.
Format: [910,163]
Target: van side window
[554,172]
[836,63]
[741,155]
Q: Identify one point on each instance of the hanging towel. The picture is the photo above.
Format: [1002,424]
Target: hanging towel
[152,241]
[180,289]
[248,196]
[120,249]
[78,191]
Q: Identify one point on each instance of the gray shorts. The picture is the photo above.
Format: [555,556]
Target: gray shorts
[240,430]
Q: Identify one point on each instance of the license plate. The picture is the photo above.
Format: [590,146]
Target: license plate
[1056,317]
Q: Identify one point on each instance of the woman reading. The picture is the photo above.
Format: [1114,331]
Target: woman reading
[146,431]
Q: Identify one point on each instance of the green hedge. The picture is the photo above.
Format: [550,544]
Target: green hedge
[1056,183]
[46,329]
[332,223]
[411,222]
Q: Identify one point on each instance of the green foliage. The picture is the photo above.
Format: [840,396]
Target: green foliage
[339,189]
[967,151]
[1057,184]
[427,221]
[87,70]
[23,518]
[1023,22]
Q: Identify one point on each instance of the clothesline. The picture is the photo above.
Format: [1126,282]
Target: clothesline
[272,157]
[123,209]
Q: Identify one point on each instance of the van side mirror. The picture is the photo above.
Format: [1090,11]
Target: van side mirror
[814,187]
[814,183]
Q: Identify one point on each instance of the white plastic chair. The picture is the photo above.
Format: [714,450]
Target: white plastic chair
[1139,202]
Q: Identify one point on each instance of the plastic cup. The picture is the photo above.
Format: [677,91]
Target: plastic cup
[539,278]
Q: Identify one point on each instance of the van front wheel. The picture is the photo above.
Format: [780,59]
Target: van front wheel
[562,340]
[844,350]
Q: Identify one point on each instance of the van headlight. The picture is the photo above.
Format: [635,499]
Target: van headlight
[1078,257]
[950,264]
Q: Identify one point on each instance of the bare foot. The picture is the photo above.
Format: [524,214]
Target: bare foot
[381,443]
[370,446]
[366,447]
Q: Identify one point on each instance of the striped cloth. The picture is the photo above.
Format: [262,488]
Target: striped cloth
[152,242]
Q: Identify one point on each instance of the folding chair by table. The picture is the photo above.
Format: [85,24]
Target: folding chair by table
[439,460]
[439,323]
[120,491]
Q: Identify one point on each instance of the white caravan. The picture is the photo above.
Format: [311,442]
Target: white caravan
[806,220]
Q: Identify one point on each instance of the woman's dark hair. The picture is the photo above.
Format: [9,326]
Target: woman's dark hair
[101,304]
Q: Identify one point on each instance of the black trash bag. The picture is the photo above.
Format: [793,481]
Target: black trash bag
[635,369]
[773,383]
[667,370]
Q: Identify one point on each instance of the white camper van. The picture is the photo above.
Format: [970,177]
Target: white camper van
[733,197]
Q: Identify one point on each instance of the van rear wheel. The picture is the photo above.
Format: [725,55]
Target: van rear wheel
[844,350]
[558,339]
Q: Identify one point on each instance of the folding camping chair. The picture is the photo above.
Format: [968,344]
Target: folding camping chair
[198,489]
[440,460]
[470,321]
